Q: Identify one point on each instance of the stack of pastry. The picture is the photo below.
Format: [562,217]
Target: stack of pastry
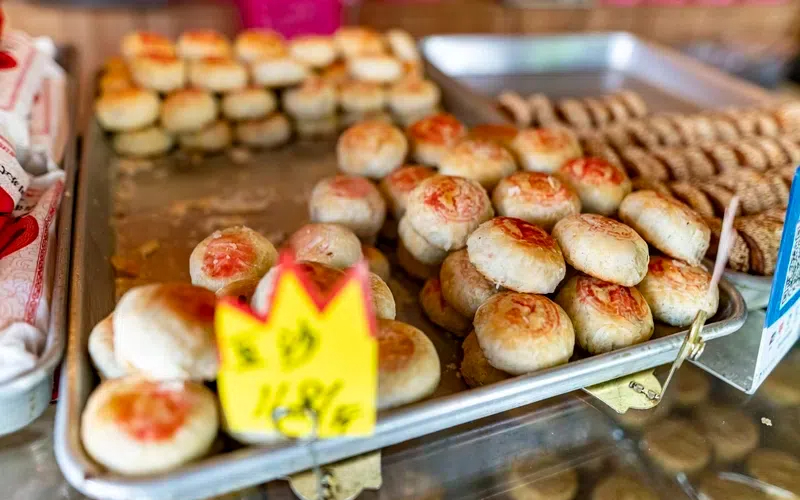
[537,110]
[205,93]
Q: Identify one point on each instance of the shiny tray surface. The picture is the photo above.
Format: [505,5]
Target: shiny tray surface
[177,203]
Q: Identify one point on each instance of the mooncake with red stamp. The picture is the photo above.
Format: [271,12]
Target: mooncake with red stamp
[605,316]
[522,332]
[229,255]
[432,136]
[445,210]
[198,44]
[517,255]
[166,332]
[398,185]
[143,42]
[538,198]
[600,185]
[676,291]
[602,247]
[408,365]
[354,202]
[545,149]
[135,427]
[321,276]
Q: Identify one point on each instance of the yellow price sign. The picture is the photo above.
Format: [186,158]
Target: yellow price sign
[311,352]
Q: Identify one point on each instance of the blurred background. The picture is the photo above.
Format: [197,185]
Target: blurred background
[755,39]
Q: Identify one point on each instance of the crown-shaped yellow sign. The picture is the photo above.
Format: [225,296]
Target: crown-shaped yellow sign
[312,353]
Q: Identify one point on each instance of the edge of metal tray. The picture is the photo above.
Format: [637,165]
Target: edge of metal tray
[25,397]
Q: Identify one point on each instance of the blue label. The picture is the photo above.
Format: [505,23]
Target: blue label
[786,282]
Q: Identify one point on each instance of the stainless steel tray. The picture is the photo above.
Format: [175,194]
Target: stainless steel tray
[589,65]
[25,397]
[178,203]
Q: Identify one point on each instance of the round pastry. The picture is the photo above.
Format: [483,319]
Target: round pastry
[377,261]
[329,244]
[136,427]
[463,286]
[676,446]
[445,210]
[621,486]
[162,73]
[521,332]
[504,134]
[315,98]
[316,128]
[408,365]
[714,487]
[398,185]
[559,483]
[605,316]
[482,160]
[475,368]
[217,74]
[732,434]
[313,50]
[676,291]
[600,185]
[777,468]
[269,132]
[254,45]
[545,149]
[248,104]
[278,72]
[418,246]
[603,248]
[199,44]
[188,110]
[433,136]
[128,109]
[413,95]
[412,266]
[115,82]
[144,143]
[211,139]
[439,311]
[348,119]
[383,304]
[361,97]
[322,276]
[667,224]
[141,42]
[101,350]
[782,387]
[371,148]
[166,331]
[535,197]
[402,45]
[352,41]
[375,68]
[692,386]
[516,255]
[351,201]
[232,254]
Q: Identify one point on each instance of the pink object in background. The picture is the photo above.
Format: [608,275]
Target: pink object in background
[666,2]
[292,17]
[721,3]
[621,3]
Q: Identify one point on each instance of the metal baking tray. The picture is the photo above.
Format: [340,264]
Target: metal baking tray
[590,65]
[177,203]
[25,397]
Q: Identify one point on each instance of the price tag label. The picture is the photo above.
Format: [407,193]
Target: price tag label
[311,352]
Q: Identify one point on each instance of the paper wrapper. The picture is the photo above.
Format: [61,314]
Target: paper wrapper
[48,124]
[22,68]
[27,242]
